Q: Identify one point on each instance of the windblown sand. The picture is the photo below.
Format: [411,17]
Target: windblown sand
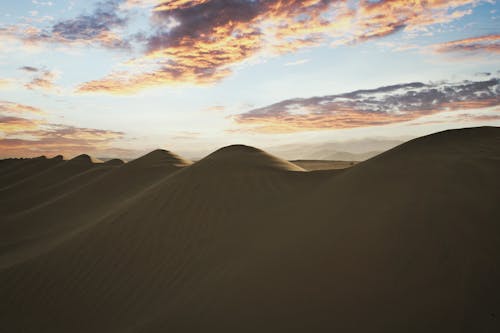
[242,241]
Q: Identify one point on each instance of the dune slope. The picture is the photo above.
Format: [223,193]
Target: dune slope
[17,170]
[408,241]
[83,200]
[61,177]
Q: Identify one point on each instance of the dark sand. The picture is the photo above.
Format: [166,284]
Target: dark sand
[242,241]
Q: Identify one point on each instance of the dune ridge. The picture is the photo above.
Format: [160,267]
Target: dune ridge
[241,156]
[160,157]
[115,162]
[242,241]
[84,158]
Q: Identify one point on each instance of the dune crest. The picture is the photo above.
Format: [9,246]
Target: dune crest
[84,158]
[160,157]
[242,156]
[58,158]
[115,162]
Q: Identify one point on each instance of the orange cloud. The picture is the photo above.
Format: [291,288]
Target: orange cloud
[10,125]
[159,5]
[44,79]
[412,14]
[381,106]
[488,43]
[176,4]
[51,139]
[16,108]
[30,137]
[199,61]
[199,41]
[311,122]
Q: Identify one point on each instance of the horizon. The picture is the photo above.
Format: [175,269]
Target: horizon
[283,154]
[120,78]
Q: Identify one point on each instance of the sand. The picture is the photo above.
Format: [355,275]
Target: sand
[242,241]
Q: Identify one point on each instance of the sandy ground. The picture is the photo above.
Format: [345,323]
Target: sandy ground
[242,241]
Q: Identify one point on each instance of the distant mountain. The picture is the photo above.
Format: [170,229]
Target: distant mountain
[355,150]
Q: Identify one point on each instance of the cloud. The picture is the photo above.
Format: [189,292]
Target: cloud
[467,117]
[43,3]
[29,69]
[15,124]
[43,80]
[215,108]
[53,139]
[12,117]
[96,28]
[200,41]
[22,136]
[362,108]
[380,18]
[461,117]
[298,62]
[488,43]
[58,132]
[16,108]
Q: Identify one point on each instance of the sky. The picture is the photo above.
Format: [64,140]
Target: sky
[118,78]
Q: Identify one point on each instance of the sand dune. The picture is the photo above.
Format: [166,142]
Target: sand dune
[84,159]
[240,157]
[92,192]
[114,161]
[243,241]
[20,169]
[160,157]
[54,178]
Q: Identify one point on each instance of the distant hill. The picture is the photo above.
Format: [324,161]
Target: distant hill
[355,150]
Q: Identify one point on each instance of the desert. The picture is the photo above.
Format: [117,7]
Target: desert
[248,166]
[244,241]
